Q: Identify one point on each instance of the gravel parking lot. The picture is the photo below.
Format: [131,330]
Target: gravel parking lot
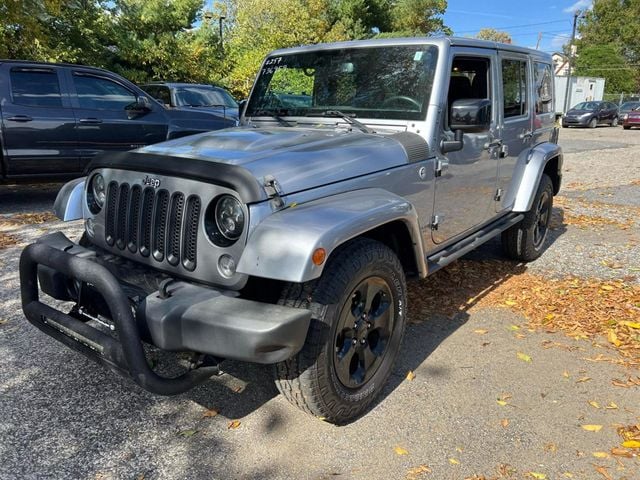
[493,396]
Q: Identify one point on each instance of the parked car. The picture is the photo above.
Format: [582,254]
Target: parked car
[625,108]
[591,114]
[192,95]
[289,239]
[632,119]
[56,117]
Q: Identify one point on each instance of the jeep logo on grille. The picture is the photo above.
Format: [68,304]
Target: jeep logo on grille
[151,182]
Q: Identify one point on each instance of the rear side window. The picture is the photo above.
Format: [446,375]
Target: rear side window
[35,88]
[97,93]
[514,80]
[544,87]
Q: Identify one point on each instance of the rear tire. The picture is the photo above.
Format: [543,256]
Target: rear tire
[626,127]
[525,240]
[359,307]
[614,122]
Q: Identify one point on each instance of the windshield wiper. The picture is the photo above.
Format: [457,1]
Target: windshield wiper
[349,119]
[274,114]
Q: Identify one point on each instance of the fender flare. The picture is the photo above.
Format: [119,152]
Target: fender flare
[282,245]
[535,164]
[68,204]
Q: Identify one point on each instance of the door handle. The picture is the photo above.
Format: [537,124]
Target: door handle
[526,135]
[493,144]
[90,121]
[20,118]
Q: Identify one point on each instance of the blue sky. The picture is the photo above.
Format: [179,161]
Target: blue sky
[523,21]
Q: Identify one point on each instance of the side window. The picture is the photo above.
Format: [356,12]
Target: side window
[470,78]
[514,81]
[35,88]
[544,87]
[97,93]
[163,94]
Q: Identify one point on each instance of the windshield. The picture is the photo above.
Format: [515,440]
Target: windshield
[203,96]
[628,106]
[587,106]
[391,82]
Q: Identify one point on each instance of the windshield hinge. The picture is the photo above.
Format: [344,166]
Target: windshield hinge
[271,186]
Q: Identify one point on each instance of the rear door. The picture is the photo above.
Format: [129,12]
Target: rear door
[516,120]
[103,121]
[38,124]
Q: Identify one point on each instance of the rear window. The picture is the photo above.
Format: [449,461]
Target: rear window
[35,87]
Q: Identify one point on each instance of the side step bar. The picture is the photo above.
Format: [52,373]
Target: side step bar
[445,257]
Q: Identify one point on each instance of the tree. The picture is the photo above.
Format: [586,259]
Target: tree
[494,35]
[607,29]
[607,61]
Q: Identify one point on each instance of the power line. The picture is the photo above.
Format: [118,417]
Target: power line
[516,26]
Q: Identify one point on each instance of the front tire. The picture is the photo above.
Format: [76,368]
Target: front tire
[359,307]
[593,123]
[525,240]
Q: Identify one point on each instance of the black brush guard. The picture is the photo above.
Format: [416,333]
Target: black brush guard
[125,355]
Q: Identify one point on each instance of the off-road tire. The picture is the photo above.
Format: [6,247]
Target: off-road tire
[593,123]
[518,241]
[310,380]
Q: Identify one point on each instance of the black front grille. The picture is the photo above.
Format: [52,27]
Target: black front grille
[149,222]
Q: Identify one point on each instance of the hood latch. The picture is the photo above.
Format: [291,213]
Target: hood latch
[273,190]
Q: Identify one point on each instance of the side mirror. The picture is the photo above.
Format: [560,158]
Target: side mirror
[471,115]
[138,108]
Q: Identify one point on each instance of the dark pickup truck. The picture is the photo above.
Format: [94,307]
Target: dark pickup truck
[55,117]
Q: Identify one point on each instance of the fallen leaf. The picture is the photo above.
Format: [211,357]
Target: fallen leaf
[210,413]
[524,357]
[602,471]
[611,406]
[400,451]
[237,389]
[414,472]
[613,338]
[520,336]
[568,474]
[583,379]
[600,454]
[631,324]
[480,331]
[510,303]
[504,422]
[453,461]
[594,404]
[410,375]
[188,433]
[502,403]
[621,452]
[537,475]
[565,374]
[619,383]
[551,447]
[631,444]
[592,428]
[3,321]
[233,424]
[514,327]
[608,288]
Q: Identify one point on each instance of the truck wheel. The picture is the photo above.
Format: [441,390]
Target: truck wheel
[593,123]
[359,307]
[524,241]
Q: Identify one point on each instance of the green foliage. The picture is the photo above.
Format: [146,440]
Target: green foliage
[174,39]
[607,61]
[608,46]
[494,35]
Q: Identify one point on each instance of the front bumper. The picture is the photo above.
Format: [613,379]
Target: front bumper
[178,317]
[576,122]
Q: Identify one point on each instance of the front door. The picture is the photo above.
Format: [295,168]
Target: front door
[103,121]
[466,179]
[37,122]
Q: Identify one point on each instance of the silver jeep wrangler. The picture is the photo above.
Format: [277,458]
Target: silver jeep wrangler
[288,239]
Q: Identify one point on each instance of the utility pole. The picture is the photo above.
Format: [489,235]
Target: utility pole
[567,92]
[538,42]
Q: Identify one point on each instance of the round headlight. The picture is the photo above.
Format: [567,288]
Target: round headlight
[96,193]
[224,220]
